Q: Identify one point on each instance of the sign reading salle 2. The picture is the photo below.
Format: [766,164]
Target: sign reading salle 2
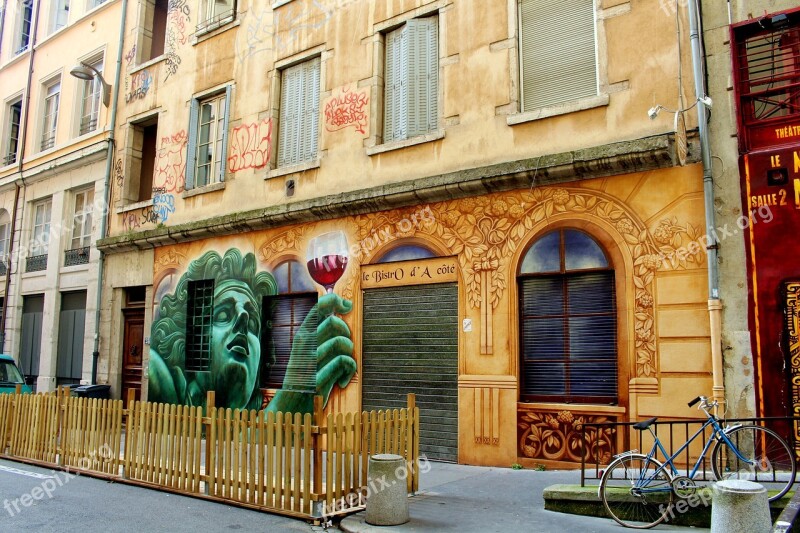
[436,270]
[777,174]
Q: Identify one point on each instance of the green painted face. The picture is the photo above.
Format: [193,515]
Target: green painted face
[235,346]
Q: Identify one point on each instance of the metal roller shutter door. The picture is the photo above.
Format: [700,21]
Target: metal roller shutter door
[410,344]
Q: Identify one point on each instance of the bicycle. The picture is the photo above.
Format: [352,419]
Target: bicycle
[638,491]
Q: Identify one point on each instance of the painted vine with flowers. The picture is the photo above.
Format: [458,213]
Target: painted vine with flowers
[559,436]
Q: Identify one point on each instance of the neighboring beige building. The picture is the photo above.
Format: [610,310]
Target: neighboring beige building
[54,135]
[523,247]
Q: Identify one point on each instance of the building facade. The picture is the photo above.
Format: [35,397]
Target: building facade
[363,199]
[55,150]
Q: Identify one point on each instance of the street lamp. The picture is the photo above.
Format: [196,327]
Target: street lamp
[88,72]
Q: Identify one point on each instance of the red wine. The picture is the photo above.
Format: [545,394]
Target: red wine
[327,270]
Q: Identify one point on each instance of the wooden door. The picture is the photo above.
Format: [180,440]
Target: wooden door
[132,348]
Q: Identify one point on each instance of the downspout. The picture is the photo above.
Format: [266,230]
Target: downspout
[107,190]
[20,182]
[714,302]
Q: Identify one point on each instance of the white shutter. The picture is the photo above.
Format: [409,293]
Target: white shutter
[557,51]
[310,120]
[191,148]
[289,116]
[225,122]
[423,64]
[396,97]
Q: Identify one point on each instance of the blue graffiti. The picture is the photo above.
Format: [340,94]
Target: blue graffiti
[163,206]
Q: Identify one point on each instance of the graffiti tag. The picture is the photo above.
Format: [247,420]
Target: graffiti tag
[130,221]
[250,145]
[140,85]
[170,166]
[346,110]
[163,206]
[130,55]
[177,16]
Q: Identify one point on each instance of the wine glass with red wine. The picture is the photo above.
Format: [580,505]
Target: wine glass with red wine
[327,258]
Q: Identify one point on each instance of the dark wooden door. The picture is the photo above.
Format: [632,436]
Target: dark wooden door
[132,348]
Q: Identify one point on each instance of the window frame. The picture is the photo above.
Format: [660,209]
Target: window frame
[9,135]
[220,144]
[210,20]
[24,26]
[301,154]
[57,7]
[51,92]
[82,219]
[40,230]
[91,95]
[563,274]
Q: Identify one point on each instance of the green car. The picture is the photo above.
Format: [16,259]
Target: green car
[10,376]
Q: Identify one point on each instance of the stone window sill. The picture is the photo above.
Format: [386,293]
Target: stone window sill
[293,169]
[218,186]
[405,143]
[558,109]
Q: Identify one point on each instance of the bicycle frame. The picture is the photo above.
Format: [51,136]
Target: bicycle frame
[718,433]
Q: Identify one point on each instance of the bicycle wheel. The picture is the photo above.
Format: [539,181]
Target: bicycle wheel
[633,494]
[770,461]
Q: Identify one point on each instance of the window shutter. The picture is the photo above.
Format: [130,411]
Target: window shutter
[225,121]
[396,97]
[289,116]
[310,119]
[557,51]
[191,149]
[423,65]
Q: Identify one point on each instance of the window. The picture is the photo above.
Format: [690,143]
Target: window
[198,325]
[160,10]
[90,102]
[60,14]
[14,114]
[281,319]
[52,96]
[568,321]
[140,160]
[411,103]
[4,241]
[40,240]
[215,13]
[96,3]
[82,222]
[557,51]
[208,140]
[24,15]
[299,115]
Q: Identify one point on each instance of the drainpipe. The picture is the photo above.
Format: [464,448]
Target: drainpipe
[20,182]
[714,302]
[107,190]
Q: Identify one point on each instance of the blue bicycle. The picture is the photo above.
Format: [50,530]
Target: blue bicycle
[638,491]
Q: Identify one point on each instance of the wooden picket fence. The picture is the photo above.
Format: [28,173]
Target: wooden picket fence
[305,466]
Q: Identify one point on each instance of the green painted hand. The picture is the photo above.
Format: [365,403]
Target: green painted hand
[322,356]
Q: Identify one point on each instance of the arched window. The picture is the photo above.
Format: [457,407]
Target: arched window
[406,252]
[282,316]
[568,322]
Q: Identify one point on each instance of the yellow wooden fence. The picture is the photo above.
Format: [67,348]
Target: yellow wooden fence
[299,465]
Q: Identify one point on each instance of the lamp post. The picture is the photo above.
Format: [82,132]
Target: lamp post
[88,73]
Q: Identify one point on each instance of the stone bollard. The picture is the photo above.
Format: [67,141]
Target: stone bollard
[387,502]
[739,506]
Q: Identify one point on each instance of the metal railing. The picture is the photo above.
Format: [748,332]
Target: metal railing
[673,434]
[48,140]
[216,21]
[36,263]
[10,158]
[77,256]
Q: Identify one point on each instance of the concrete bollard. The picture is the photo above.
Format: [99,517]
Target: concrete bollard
[739,506]
[387,501]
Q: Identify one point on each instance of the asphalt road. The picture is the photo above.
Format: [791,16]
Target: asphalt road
[58,503]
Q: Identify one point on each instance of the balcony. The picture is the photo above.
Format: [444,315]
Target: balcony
[36,263]
[77,256]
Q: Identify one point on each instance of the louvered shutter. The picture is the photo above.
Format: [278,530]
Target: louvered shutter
[310,109]
[423,64]
[283,315]
[191,149]
[395,112]
[558,51]
[225,121]
[288,140]
[569,337]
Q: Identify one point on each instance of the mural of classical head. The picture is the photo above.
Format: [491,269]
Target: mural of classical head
[234,337]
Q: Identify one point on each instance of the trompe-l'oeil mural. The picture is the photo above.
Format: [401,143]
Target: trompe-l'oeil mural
[207,334]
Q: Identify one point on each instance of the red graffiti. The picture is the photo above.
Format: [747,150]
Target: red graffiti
[347,109]
[250,146]
[170,168]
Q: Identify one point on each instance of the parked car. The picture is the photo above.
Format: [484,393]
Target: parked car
[10,376]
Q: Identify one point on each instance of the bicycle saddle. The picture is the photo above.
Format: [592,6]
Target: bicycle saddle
[644,424]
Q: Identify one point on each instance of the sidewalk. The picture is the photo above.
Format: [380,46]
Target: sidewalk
[472,498]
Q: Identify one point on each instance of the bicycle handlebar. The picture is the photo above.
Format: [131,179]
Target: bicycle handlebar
[691,404]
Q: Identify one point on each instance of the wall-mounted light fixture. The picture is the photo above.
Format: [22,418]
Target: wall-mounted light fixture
[88,72]
[656,109]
